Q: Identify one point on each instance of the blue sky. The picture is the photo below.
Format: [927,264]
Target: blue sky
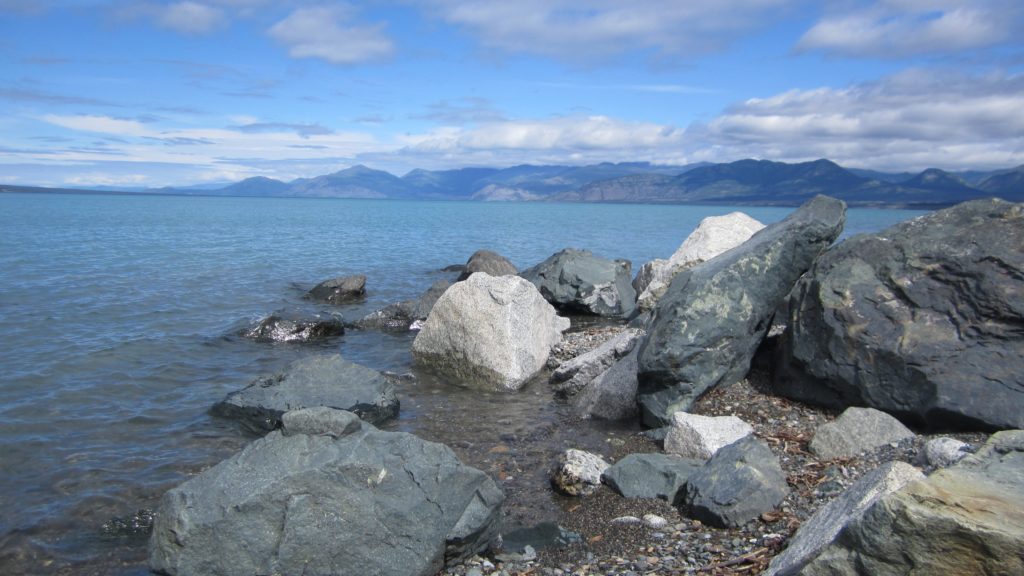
[155,93]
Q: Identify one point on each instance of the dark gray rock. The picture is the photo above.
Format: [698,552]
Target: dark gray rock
[321,380]
[922,320]
[611,395]
[340,290]
[366,502]
[577,281]
[707,326]
[402,315]
[966,519]
[488,262]
[739,483]
[650,475]
[292,327]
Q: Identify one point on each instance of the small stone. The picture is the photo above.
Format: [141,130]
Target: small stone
[654,521]
[626,520]
[696,436]
[579,473]
[944,452]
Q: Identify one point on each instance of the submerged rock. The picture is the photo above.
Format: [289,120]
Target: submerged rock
[489,331]
[705,330]
[359,501]
[922,320]
[340,290]
[293,327]
[490,262]
[577,281]
[403,315]
[321,380]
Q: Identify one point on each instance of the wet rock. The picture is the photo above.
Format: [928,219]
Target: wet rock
[489,262]
[713,236]
[489,331]
[367,502]
[965,519]
[857,430]
[700,437]
[403,315]
[650,475]
[138,524]
[705,330]
[921,320]
[944,452]
[340,290]
[821,528]
[577,281]
[320,380]
[293,327]
[579,472]
[741,482]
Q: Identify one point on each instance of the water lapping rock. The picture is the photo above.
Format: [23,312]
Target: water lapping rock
[403,315]
[340,290]
[293,327]
[489,331]
[328,494]
[922,320]
[706,328]
[577,281]
[319,380]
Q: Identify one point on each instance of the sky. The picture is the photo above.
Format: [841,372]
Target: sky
[157,93]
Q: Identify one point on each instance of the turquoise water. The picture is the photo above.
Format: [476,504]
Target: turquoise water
[118,315]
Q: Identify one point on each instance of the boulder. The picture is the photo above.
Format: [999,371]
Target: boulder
[402,315]
[578,473]
[650,475]
[490,262]
[320,380]
[288,326]
[611,395]
[576,373]
[713,236]
[700,437]
[489,330]
[966,519]
[944,452]
[739,483]
[705,330]
[577,281]
[340,290]
[356,500]
[857,430]
[921,320]
[821,528]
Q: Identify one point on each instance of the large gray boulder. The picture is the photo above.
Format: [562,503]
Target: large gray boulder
[966,519]
[739,483]
[403,315]
[713,236]
[489,331]
[922,320]
[340,290]
[650,475]
[490,262]
[577,281]
[288,326]
[602,382]
[705,330]
[820,529]
[327,495]
[319,380]
[857,430]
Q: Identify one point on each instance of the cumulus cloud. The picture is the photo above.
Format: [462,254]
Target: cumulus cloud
[898,28]
[911,120]
[326,32]
[583,30]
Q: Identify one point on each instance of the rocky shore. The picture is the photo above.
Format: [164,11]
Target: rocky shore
[807,409]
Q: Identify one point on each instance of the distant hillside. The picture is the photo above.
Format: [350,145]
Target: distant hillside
[753,182]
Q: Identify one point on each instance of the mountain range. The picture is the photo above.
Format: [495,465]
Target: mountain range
[744,182]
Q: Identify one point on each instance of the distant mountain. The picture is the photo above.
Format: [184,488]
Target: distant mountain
[891,177]
[1007,184]
[355,182]
[256,186]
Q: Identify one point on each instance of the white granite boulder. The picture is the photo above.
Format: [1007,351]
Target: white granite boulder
[489,331]
[696,436]
[579,473]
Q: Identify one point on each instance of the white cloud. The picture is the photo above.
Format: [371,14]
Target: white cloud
[912,120]
[898,28]
[325,32]
[190,17]
[583,30]
[99,124]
